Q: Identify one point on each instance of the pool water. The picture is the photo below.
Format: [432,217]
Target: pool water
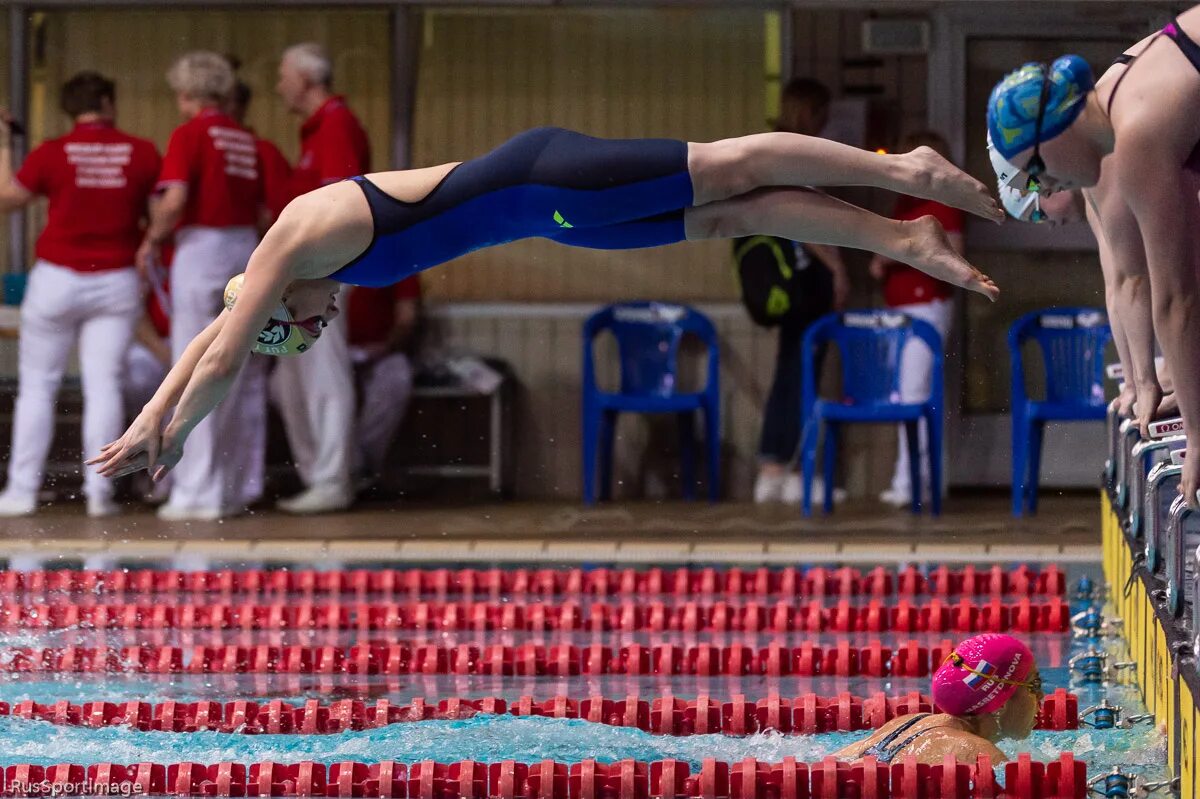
[496,738]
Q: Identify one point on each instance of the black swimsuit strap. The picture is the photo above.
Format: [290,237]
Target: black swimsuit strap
[881,749]
[1184,42]
[1127,59]
[1172,31]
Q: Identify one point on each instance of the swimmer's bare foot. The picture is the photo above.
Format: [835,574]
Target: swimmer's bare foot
[935,178]
[926,247]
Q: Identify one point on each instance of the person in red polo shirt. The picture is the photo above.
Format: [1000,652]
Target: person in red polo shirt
[83,289]
[315,394]
[211,191]
[922,297]
[383,331]
[276,171]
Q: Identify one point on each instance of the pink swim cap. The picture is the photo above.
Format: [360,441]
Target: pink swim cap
[981,674]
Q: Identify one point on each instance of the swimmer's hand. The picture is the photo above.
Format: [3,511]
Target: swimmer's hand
[1190,483]
[1149,397]
[139,448]
[1124,401]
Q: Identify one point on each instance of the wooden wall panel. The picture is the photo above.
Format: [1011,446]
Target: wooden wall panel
[4,102]
[136,46]
[486,75]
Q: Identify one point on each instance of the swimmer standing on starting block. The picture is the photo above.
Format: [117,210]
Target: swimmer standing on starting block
[988,689]
[378,229]
[1051,125]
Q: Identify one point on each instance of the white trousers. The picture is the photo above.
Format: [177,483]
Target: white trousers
[63,309]
[315,396]
[386,387]
[222,464]
[143,375]
[916,372]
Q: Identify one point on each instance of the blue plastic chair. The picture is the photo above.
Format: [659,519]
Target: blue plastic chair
[871,344]
[648,335]
[1072,342]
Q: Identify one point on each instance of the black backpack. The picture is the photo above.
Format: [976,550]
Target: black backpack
[780,281]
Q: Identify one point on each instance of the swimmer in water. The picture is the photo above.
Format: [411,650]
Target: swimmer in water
[1051,125]
[378,229]
[987,690]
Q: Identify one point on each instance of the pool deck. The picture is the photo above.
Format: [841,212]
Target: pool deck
[972,528]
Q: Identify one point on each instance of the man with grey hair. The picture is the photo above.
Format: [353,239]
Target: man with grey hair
[210,192]
[315,395]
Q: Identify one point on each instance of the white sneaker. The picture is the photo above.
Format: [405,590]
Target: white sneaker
[317,499]
[793,488]
[896,497]
[795,495]
[12,504]
[101,507]
[768,488]
[178,513]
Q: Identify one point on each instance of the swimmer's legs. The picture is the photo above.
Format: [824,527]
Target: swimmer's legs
[730,167]
[810,216]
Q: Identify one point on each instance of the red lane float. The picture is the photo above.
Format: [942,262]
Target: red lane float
[664,715]
[1065,778]
[789,582]
[936,616]
[907,659]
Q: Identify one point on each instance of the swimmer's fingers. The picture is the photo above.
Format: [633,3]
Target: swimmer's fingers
[118,462]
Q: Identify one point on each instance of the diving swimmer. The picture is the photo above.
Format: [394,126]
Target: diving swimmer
[581,191]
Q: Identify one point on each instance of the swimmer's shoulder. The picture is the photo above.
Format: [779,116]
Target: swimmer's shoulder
[955,739]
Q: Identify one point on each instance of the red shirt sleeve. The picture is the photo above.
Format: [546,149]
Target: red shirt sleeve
[182,161]
[34,173]
[408,289]
[341,154]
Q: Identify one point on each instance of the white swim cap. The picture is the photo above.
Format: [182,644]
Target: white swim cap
[281,336]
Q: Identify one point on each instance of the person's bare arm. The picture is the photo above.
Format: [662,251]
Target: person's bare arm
[12,194]
[146,335]
[139,447]
[1148,161]
[1127,291]
[1124,402]
[313,237]
[166,209]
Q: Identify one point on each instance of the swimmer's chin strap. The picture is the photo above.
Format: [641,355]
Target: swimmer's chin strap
[956,660]
[283,335]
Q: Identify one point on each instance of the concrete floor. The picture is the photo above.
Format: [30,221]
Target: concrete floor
[972,528]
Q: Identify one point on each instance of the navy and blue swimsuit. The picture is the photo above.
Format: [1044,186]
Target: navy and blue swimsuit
[546,182]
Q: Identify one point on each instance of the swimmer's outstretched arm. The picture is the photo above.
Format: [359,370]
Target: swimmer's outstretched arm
[313,236]
[1149,171]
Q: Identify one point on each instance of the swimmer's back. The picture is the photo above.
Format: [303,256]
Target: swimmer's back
[929,740]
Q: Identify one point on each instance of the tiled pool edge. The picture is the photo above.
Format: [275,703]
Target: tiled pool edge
[436,550]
